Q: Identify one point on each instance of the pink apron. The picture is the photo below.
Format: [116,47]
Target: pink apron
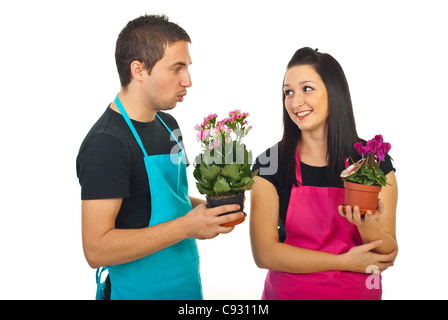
[313,222]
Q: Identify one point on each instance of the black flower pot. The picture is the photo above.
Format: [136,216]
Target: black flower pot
[216,201]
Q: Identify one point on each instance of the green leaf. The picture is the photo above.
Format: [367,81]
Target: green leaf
[245,170]
[245,184]
[197,174]
[221,185]
[242,183]
[231,171]
[203,190]
[209,173]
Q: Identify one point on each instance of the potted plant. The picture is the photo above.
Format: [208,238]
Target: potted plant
[364,179]
[223,168]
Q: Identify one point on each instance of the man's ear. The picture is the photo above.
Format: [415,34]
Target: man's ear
[138,70]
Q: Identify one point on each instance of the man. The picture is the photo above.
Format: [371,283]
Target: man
[137,217]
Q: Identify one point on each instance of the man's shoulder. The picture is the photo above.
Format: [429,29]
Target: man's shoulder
[109,123]
[108,131]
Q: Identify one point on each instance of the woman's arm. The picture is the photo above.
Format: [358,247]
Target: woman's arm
[271,254]
[382,224]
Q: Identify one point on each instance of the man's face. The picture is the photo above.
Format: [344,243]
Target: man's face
[169,79]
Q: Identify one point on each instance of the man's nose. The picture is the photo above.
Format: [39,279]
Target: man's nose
[186,80]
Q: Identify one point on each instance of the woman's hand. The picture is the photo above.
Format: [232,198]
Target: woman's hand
[354,215]
[362,259]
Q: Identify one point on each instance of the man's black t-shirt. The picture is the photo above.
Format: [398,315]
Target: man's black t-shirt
[311,176]
[110,163]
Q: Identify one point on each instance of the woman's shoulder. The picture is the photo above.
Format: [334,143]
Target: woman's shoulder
[387,166]
[267,163]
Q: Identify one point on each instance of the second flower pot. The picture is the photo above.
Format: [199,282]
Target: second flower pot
[223,200]
[363,196]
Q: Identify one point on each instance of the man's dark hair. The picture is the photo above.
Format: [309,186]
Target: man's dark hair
[144,39]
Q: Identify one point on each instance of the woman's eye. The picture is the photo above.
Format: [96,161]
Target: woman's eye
[288,92]
[307,88]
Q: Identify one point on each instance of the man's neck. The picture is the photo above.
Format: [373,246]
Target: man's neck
[135,106]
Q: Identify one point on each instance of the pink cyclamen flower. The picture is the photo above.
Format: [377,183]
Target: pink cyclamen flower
[383,150]
[372,146]
[379,138]
[360,148]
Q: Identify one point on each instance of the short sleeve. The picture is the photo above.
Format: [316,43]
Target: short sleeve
[103,168]
[267,165]
[386,166]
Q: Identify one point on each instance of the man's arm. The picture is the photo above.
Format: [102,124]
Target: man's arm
[195,201]
[105,245]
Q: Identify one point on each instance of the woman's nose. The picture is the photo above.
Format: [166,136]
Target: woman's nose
[297,101]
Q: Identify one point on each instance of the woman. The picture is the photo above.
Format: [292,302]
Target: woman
[313,249]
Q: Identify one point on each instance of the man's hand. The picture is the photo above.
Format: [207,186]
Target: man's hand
[205,223]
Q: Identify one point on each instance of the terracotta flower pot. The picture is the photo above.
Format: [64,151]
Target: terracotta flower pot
[365,197]
[223,200]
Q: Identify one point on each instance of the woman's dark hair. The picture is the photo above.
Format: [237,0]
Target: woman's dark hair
[144,39]
[342,133]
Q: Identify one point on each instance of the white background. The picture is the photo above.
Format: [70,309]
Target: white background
[58,75]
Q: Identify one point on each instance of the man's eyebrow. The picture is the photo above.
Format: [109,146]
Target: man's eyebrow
[180,63]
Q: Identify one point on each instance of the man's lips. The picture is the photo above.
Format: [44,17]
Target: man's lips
[181,96]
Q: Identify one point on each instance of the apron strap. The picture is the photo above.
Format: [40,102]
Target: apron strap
[169,130]
[134,132]
[130,125]
[299,172]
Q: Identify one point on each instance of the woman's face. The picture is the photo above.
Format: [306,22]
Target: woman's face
[306,98]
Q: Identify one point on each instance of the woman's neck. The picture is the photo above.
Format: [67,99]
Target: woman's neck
[313,149]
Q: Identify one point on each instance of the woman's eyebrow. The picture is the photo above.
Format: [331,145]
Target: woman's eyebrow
[301,82]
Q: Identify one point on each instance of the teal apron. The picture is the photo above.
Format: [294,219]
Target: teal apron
[171,273]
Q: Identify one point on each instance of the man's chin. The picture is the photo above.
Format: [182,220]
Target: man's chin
[167,107]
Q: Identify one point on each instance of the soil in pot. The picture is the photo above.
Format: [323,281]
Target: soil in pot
[365,197]
[223,200]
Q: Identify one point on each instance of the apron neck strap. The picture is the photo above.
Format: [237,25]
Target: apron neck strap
[299,172]
[169,130]
[134,132]
[130,125]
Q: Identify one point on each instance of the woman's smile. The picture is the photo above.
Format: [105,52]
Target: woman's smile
[302,115]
